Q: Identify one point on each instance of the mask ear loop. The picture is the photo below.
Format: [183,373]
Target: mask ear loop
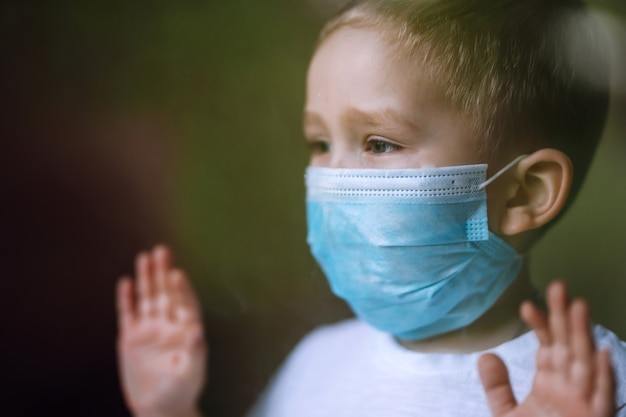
[502,171]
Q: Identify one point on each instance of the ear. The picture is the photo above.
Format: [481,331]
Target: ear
[543,180]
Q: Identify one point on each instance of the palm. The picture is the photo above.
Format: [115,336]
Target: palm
[161,350]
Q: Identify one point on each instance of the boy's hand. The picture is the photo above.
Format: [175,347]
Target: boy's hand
[573,379]
[161,348]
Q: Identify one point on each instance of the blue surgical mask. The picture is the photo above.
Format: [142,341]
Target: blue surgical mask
[409,250]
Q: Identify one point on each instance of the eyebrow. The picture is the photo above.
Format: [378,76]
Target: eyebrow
[380,118]
[309,117]
[385,117]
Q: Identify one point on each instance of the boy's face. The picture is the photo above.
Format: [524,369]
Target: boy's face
[367,108]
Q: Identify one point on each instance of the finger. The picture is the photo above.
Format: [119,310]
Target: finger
[495,380]
[145,284]
[536,320]
[561,352]
[557,317]
[582,339]
[603,400]
[163,306]
[125,302]
[582,347]
[161,259]
[178,303]
[187,305]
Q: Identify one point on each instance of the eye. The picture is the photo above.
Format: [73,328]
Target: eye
[380,145]
[317,147]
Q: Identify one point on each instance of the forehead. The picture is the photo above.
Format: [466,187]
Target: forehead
[352,50]
[359,67]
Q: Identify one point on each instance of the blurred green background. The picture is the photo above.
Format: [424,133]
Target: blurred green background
[126,124]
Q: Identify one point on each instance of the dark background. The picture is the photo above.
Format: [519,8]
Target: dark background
[125,124]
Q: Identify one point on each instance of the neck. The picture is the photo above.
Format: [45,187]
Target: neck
[499,324]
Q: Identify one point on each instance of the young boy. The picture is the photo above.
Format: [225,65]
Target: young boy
[444,135]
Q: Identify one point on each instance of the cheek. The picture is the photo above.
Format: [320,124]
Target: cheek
[495,217]
[496,207]
[316,161]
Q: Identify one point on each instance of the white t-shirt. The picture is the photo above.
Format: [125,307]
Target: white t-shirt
[352,370]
